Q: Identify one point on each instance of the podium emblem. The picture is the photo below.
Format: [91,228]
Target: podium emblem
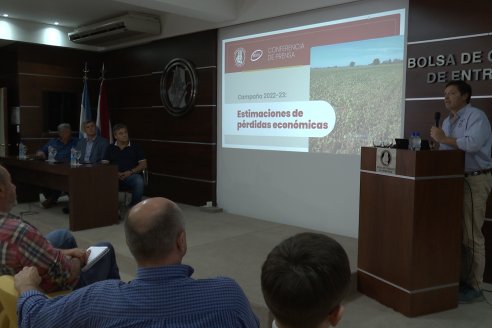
[386,160]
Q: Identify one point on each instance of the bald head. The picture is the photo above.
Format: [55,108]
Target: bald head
[155,231]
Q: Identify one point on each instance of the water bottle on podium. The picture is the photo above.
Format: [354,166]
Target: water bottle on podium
[415,141]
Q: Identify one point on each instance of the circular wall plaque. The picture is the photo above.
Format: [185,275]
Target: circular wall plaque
[179,86]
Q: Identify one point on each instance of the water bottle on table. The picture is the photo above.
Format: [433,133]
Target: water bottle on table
[73,158]
[22,150]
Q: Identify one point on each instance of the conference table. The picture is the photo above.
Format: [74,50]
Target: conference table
[92,188]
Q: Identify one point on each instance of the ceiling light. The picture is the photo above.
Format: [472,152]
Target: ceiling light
[56,23]
[5,15]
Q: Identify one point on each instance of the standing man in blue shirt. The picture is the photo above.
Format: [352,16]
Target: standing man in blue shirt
[467,128]
[63,145]
[162,295]
[130,160]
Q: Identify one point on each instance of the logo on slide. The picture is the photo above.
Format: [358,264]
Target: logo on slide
[256,55]
[239,55]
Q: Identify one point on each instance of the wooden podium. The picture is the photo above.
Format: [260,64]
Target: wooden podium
[410,229]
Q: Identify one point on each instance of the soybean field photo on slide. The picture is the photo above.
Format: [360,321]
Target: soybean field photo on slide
[367,100]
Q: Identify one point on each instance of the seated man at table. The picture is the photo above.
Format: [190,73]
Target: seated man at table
[163,294]
[130,159]
[304,280]
[93,147]
[63,145]
[56,256]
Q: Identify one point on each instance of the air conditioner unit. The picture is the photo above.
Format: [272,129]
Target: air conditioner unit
[117,30]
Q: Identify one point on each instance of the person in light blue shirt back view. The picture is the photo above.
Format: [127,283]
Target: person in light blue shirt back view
[467,128]
[162,295]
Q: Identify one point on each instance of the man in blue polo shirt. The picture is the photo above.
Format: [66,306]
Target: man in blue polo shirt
[130,160]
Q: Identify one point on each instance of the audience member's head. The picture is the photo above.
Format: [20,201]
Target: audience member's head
[304,280]
[8,197]
[155,232]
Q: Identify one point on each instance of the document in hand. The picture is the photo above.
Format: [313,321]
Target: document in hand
[96,253]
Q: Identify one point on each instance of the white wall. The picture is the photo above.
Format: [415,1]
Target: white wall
[316,191]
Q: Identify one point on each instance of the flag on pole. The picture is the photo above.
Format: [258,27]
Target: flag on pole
[85,110]
[103,122]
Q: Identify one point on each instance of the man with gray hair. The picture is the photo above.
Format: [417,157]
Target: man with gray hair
[162,295]
[63,145]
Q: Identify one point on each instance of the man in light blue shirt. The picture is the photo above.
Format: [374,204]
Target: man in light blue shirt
[162,295]
[467,128]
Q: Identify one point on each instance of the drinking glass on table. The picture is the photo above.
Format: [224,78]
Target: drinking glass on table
[51,154]
[77,157]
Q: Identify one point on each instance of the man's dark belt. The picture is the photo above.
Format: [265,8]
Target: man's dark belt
[474,173]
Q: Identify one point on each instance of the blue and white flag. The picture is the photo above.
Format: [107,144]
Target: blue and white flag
[85,110]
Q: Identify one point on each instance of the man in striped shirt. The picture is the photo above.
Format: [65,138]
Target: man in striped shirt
[162,295]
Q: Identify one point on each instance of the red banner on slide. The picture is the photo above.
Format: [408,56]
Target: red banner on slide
[294,48]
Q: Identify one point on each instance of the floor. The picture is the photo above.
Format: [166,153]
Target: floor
[236,246]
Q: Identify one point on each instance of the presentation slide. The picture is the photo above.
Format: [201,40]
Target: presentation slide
[323,88]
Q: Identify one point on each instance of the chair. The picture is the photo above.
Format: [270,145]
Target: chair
[126,191]
[8,301]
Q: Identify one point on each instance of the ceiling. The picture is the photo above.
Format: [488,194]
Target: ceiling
[74,13]
[177,14]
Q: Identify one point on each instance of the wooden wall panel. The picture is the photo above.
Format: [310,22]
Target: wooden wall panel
[441,27]
[417,77]
[32,87]
[181,151]
[57,61]
[122,91]
[443,18]
[199,48]
[156,123]
[8,79]
[137,91]
[194,161]
[194,192]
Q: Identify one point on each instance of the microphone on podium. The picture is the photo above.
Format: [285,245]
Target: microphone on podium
[437,117]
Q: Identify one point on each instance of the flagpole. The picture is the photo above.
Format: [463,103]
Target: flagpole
[103,121]
[85,105]
[85,70]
